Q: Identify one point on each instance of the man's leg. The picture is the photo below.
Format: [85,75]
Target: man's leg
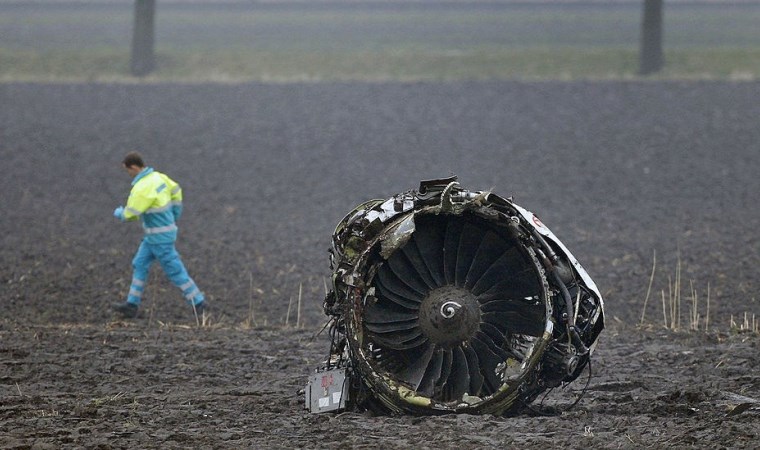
[170,261]
[140,269]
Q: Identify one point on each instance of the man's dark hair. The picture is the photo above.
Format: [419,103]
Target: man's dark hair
[133,159]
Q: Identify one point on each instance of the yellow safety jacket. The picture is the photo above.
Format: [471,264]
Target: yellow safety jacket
[157,200]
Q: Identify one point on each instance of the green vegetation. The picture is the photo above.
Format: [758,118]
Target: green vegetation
[331,42]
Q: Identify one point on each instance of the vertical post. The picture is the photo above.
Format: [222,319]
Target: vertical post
[650,54]
[143,60]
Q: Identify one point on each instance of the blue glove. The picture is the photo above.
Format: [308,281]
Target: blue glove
[119,213]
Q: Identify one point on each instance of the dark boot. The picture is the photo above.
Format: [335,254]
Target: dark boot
[127,310]
[200,308]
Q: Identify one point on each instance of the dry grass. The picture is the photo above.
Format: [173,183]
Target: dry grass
[255,319]
[680,294]
[299,323]
[749,325]
[673,316]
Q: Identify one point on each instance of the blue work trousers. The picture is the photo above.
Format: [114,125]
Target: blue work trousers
[170,261]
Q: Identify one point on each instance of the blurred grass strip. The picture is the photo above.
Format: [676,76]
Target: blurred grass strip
[238,65]
[63,65]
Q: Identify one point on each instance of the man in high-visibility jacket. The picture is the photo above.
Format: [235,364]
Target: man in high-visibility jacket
[157,200]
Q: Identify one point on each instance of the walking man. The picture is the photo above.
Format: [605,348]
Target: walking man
[157,200]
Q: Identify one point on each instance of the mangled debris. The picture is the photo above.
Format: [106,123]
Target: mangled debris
[447,300]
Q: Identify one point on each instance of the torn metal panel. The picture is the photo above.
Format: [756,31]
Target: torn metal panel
[446,300]
[327,391]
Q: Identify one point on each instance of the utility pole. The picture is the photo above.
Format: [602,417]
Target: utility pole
[143,59]
[650,54]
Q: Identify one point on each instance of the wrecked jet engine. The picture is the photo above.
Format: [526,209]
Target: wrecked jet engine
[446,300]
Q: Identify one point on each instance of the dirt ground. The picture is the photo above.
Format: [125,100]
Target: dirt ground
[620,171]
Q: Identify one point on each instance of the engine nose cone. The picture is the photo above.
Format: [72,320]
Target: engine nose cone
[449,315]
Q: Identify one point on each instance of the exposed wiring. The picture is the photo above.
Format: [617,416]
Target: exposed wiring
[585,388]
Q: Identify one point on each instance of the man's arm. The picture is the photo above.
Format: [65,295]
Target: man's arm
[176,196]
[138,202]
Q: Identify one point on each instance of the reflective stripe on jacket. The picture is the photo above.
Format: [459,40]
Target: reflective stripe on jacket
[157,200]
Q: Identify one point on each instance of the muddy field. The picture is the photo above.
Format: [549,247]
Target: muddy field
[619,171]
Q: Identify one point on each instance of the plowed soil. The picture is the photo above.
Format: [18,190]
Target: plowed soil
[622,172]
